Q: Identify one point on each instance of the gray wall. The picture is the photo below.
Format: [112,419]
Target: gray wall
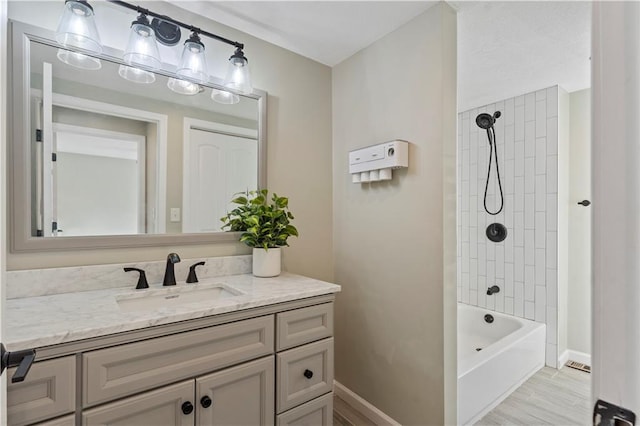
[394,242]
[579,304]
[298,134]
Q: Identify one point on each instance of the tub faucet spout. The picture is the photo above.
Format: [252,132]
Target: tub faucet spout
[493,289]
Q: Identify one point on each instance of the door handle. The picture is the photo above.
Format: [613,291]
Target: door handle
[21,359]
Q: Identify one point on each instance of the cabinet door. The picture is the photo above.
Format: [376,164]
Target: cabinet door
[241,395]
[156,408]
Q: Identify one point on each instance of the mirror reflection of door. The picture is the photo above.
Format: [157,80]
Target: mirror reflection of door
[99,185]
[219,161]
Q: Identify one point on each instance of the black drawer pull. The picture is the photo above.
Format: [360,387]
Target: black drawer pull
[308,374]
[187,408]
[205,401]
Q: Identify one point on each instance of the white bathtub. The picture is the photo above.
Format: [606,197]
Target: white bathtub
[512,350]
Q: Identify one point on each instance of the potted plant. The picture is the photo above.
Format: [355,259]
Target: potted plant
[265,226]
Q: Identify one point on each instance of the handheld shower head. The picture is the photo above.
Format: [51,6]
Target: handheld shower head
[485,121]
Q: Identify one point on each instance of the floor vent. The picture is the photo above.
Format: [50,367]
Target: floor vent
[578,366]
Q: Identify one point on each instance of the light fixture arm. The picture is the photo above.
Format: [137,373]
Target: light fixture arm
[176,22]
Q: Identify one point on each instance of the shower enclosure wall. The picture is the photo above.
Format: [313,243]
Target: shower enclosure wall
[530,265]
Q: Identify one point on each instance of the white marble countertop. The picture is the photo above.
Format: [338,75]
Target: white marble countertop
[34,322]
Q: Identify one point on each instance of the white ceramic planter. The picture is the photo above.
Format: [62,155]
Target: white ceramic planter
[266,263]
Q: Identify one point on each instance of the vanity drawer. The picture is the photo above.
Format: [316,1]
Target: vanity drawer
[49,390]
[317,412]
[69,420]
[124,370]
[304,325]
[304,373]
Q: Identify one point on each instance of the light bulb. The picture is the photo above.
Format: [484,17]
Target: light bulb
[184,87]
[224,97]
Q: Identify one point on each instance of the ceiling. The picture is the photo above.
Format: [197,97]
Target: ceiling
[504,48]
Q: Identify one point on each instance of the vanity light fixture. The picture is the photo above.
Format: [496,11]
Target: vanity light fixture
[184,87]
[237,77]
[77,29]
[142,48]
[193,63]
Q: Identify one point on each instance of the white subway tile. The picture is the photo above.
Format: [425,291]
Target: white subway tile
[500,255]
[465,257]
[541,271]
[465,287]
[552,250]
[540,231]
[465,196]
[491,272]
[529,211]
[552,174]
[541,95]
[552,212]
[529,282]
[518,300]
[508,305]
[482,291]
[529,107]
[541,193]
[508,279]
[491,250]
[541,118]
[482,259]
[519,100]
[541,156]
[551,356]
[508,182]
[552,136]
[459,294]
[473,243]
[519,158]
[473,188]
[540,304]
[552,288]
[529,310]
[465,115]
[518,231]
[465,134]
[473,274]
[508,247]
[529,175]
[473,211]
[508,111]
[473,297]
[490,302]
[464,217]
[552,101]
[518,265]
[499,297]
[529,247]
[530,139]
[519,193]
[519,126]
[473,153]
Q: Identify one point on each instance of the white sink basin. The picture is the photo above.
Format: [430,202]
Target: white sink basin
[175,296]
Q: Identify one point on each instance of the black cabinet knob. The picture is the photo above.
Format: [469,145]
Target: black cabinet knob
[308,374]
[205,401]
[585,203]
[187,408]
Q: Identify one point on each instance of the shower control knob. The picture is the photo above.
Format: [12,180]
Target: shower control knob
[585,203]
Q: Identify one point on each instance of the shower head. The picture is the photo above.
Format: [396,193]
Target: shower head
[485,121]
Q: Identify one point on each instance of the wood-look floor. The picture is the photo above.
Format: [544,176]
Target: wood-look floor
[550,397]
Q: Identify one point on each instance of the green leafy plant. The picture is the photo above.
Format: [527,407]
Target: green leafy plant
[263,223]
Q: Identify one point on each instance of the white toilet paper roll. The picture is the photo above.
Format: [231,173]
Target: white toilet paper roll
[355,178]
[374,175]
[364,177]
[386,174]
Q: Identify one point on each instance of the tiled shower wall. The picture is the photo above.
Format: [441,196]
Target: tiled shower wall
[524,266]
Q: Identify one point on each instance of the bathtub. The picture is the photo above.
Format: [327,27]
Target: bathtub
[511,350]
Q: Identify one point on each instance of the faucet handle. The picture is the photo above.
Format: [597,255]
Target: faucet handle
[193,278]
[142,279]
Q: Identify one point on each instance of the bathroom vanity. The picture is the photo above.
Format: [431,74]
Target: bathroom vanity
[263,355]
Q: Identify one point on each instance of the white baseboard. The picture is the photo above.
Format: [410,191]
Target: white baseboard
[572,355]
[361,406]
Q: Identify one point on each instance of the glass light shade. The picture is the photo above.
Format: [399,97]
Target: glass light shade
[193,64]
[79,60]
[224,97]
[142,48]
[77,27]
[238,77]
[184,87]
[136,75]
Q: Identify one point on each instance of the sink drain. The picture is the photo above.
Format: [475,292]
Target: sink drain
[478,349]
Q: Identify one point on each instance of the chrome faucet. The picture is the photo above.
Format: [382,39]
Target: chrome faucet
[493,289]
[169,274]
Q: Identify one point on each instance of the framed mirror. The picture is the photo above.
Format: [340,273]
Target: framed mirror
[101,161]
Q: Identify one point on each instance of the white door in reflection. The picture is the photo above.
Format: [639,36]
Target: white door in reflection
[99,184]
[216,166]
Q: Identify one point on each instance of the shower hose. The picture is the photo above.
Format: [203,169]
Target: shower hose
[493,152]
